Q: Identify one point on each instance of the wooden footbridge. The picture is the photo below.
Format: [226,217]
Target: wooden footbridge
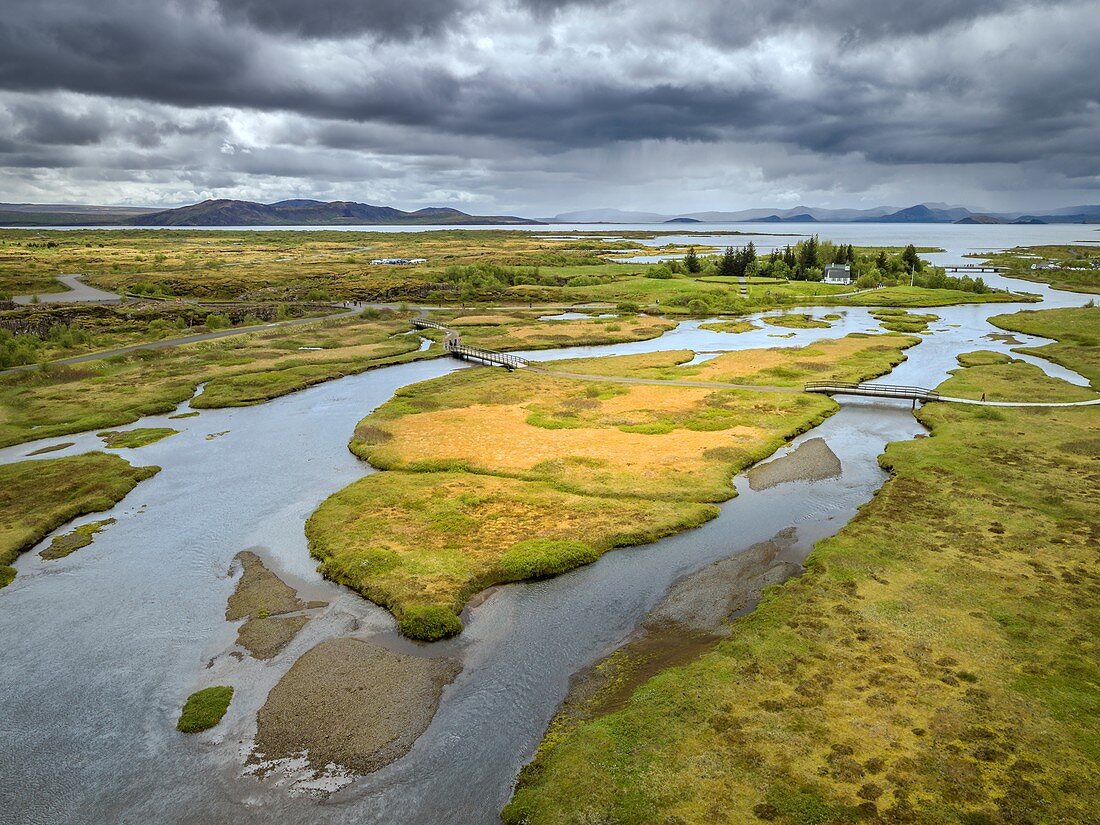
[873,390]
[452,343]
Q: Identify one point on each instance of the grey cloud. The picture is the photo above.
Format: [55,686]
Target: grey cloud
[396,19]
[459,91]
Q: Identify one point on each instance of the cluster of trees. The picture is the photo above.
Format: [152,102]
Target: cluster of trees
[807,259]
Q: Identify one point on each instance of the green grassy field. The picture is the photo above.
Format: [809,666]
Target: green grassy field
[937,663]
[37,497]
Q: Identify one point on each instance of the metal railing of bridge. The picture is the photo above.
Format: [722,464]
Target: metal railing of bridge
[424,323]
[872,390]
[485,356]
[453,344]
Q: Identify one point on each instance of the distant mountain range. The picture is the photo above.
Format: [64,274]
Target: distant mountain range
[223,212]
[920,213]
[304,212]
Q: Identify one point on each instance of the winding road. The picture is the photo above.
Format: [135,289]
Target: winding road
[79,293]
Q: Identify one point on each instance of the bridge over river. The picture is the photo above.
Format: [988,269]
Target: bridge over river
[452,343]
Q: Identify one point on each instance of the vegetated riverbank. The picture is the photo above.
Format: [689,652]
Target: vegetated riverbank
[478,462]
[525,331]
[39,496]
[936,663]
[795,320]
[733,327]
[1076,333]
[57,400]
[1076,267]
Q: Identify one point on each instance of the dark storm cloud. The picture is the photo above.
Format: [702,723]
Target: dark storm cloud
[888,82]
[396,19]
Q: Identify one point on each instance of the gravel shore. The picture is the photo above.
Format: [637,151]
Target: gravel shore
[811,461]
[351,703]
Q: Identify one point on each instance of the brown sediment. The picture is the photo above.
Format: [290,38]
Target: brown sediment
[689,621]
[51,448]
[260,591]
[813,460]
[1004,337]
[351,703]
[263,638]
[262,597]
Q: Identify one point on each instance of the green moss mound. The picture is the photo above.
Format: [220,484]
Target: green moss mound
[429,623]
[204,709]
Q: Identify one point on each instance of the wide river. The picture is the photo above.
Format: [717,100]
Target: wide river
[101,648]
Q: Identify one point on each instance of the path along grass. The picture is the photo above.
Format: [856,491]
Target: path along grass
[938,661]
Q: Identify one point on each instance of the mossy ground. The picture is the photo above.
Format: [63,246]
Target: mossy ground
[937,663]
[523,330]
[733,327]
[856,357]
[37,497]
[492,476]
[243,370]
[204,709]
[70,542]
[421,544]
[898,320]
[138,437]
[795,320]
[1077,334]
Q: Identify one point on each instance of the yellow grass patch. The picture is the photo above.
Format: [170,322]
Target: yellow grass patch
[499,439]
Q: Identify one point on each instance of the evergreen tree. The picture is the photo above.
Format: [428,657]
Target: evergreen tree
[691,261]
[728,265]
[808,258]
[911,258]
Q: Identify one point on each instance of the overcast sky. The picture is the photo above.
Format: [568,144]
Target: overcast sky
[539,106]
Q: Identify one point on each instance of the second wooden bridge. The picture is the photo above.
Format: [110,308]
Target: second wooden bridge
[872,390]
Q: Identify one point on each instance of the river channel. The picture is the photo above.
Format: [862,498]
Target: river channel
[102,648]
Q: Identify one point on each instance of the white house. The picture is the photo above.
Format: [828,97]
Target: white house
[838,274]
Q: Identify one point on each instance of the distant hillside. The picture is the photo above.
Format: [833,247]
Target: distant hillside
[224,212]
[918,213]
[981,219]
[67,214]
